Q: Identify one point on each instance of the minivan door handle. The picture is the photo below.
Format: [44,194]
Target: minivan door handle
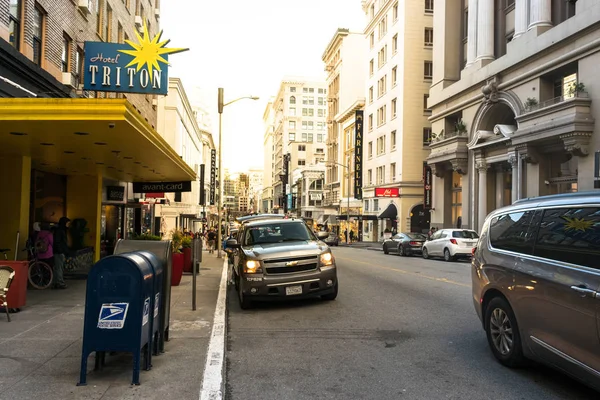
[584,291]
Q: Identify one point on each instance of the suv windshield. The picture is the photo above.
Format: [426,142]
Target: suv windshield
[276,233]
[465,234]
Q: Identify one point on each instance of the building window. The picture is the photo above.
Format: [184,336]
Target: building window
[120,33]
[292,111]
[428,70]
[292,89]
[79,57]
[393,140]
[321,91]
[395,44]
[394,107]
[301,162]
[301,147]
[100,18]
[321,112]
[38,34]
[429,6]
[370,177]
[321,101]
[395,12]
[562,10]
[292,137]
[383,27]
[311,125]
[293,100]
[380,175]
[109,15]
[370,122]
[292,124]
[393,172]
[428,37]
[320,138]
[381,115]
[370,150]
[425,100]
[66,53]
[371,67]
[426,136]
[310,138]
[382,86]
[381,145]
[138,7]
[14,24]
[372,39]
[382,56]
[366,204]
[394,76]
[308,112]
[371,94]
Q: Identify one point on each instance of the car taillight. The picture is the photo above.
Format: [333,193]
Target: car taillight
[414,243]
[473,250]
[453,241]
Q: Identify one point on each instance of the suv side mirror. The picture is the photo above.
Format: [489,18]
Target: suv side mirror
[322,235]
[232,243]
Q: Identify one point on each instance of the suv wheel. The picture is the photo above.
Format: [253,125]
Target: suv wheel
[503,333]
[245,302]
[447,255]
[331,296]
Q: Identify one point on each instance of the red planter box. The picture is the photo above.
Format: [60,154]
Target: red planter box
[177,272]
[187,259]
[17,294]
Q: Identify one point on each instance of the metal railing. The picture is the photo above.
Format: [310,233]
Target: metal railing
[555,100]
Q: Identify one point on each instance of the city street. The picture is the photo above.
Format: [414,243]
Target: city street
[400,328]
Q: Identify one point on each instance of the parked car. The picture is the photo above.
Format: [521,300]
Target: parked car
[405,244]
[536,283]
[282,258]
[450,244]
[332,239]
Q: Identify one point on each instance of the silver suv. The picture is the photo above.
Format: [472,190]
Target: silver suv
[281,258]
[536,283]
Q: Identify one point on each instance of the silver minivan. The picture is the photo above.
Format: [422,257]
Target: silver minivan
[536,283]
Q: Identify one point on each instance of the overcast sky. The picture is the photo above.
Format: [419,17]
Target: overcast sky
[247,47]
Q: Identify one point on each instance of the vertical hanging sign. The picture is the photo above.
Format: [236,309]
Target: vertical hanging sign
[202,200]
[213,171]
[358,142]
[427,186]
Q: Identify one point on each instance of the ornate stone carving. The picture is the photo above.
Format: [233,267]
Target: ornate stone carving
[513,161]
[577,143]
[438,170]
[529,154]
[490,90]
[482,166]
[460,165]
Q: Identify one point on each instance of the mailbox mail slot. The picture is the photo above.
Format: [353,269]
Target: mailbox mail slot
[162,250]
[118,304]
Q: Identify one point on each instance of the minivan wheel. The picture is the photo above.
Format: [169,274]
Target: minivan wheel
[425,253]
[447,255]
[503,333]
[245,302]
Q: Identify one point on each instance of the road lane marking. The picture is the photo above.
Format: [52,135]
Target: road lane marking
[431,278]
[212,380]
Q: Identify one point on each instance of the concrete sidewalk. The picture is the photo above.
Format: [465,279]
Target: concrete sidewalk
[40,350]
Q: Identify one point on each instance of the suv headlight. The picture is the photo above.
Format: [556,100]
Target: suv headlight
[252,267]
[326,259]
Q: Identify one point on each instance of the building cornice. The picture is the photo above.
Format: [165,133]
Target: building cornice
[377,18]
[344,115]
[333,43]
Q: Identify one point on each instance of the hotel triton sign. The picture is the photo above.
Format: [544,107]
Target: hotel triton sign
[128,67]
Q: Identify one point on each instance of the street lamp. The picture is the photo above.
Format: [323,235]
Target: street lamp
[221,104]
[348,194]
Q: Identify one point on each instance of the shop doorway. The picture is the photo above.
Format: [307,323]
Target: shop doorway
[111,227]
[419,219]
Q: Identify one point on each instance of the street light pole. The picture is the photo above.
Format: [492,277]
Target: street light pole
[221,104]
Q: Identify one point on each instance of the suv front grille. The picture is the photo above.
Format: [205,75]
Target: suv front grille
[290,270]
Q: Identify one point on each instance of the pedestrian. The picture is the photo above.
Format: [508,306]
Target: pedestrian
[351,236]
[43,243]
[346,235]
[61,249]
[212,236]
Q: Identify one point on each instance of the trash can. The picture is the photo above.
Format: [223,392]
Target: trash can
[119,297]
[162,250]
[157,328]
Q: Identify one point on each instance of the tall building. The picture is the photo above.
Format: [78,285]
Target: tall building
[512,111]
[399,74]
[299,130]
[344,59]
[255,189]
[268,177]
[67,151]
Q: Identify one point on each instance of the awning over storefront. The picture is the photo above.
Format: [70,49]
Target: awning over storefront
[343,217]
[391,212]
[86,137]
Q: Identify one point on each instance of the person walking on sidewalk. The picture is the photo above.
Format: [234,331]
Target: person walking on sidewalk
[61,249]
[212,236]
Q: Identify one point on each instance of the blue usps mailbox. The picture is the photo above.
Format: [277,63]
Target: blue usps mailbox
[157,321]
[119,299]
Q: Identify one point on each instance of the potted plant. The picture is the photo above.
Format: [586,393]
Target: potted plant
[461,127]
[176,243]
[576,88]
[186,244]
[146,236]
[530,103]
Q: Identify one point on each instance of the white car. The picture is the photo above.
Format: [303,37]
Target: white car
[450,244]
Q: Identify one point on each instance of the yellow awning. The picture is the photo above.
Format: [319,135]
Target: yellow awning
[86,136]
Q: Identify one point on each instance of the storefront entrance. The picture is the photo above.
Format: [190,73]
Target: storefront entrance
[419,219]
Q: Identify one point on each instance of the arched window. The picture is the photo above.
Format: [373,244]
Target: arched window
[293,100]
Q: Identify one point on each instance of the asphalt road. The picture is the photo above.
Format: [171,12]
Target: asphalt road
[400,328]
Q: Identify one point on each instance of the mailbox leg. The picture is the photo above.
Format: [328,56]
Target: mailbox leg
[97,361]
[148,355]
[83,371]
[136,367]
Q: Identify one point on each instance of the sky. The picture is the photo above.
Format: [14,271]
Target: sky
[247,47]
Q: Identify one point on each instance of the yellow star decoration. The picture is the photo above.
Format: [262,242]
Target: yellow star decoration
[577,224]
[149,52]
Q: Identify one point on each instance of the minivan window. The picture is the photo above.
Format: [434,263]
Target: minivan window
[465,234]
[509,232]
[570,235]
